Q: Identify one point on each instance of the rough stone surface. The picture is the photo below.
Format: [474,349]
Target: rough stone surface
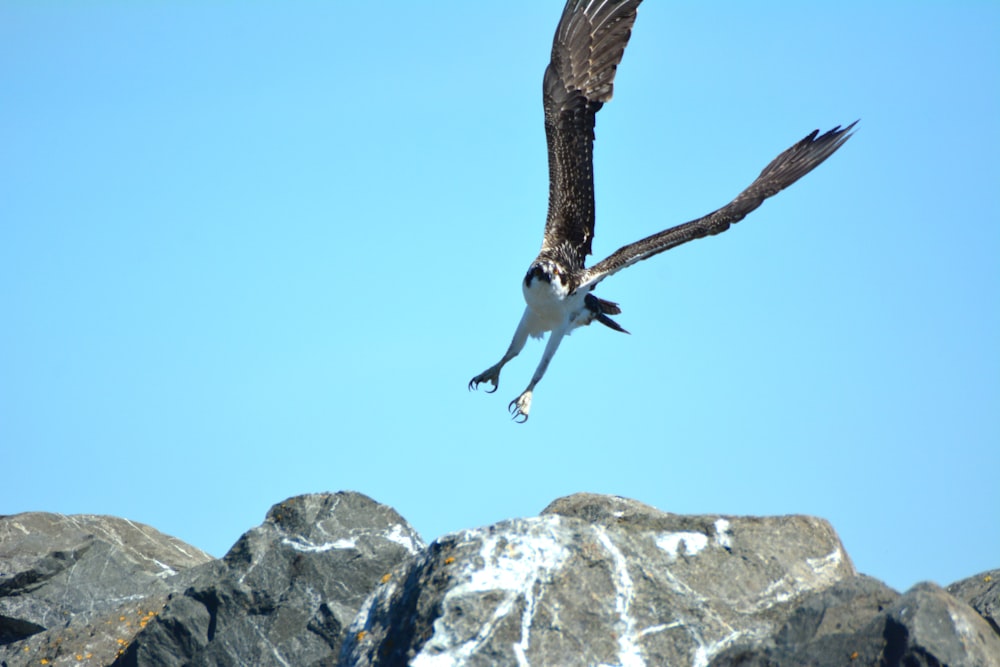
[286,590]
[598,580]
[928,626]
[338,579]
[925,627]
[83,585]
[982,593]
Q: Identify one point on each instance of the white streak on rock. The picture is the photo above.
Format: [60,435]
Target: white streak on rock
[266,641]
[629,653]
[167,570]
[399,535]
[518,562]
[821,572]
[824,567]
[304,545]
[722,535]
[653,629]
[965,630]
[671,543]
[703,655]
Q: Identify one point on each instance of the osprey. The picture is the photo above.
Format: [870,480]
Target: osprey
[558,288]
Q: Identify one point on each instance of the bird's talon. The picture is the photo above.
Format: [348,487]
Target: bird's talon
[520,407]
[491,376]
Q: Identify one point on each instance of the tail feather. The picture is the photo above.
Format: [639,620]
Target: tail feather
[610,323]
[601,309]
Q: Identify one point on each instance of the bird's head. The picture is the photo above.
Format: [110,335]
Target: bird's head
[546,270]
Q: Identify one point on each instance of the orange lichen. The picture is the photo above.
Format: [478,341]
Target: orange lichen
[360,635]
[449,560]
[386,578]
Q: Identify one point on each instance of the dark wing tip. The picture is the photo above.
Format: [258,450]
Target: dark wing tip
[589,43]
[834,138]
[802,158]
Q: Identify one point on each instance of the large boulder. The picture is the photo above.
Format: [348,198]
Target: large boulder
[78,588]
[601,580]
[598,580]
[861,622]
[286,590]
[982,593]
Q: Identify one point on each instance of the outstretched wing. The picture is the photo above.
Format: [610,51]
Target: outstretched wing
[784,170]
[588,45]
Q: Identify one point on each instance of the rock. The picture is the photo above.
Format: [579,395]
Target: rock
[822,630]
[597,580]
[286,590]
[982,593]
[928,626]
[81,585]
[338,579]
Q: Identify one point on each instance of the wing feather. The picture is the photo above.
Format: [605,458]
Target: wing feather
[588,46]
[784,170]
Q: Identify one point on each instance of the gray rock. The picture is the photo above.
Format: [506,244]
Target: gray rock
[338,579]
[286,590]
[926,627]
[597,580]
[833,626]
[81,585]
[982,593]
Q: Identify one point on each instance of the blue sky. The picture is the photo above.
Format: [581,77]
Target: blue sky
[253,250]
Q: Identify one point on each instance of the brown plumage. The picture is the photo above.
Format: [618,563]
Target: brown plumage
[580,78]
[588,46]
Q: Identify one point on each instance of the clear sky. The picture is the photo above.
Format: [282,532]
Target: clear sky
[254,250]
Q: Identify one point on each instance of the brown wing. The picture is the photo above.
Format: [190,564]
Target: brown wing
[784,170]
[588,45]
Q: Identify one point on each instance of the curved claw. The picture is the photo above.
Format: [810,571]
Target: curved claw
[515,412]
[520,407]
[491,376]
[478,380]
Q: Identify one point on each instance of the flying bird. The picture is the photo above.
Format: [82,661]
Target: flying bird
[558,287]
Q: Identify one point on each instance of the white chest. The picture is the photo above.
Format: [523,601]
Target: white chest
[551,305]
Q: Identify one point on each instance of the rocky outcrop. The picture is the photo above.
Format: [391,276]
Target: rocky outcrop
[338,579]
[78,588]
[982,593]
[286,590]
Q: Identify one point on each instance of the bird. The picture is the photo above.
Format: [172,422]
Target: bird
[588,46]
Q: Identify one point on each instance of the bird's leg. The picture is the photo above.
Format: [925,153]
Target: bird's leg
[521,406]
[492,374]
